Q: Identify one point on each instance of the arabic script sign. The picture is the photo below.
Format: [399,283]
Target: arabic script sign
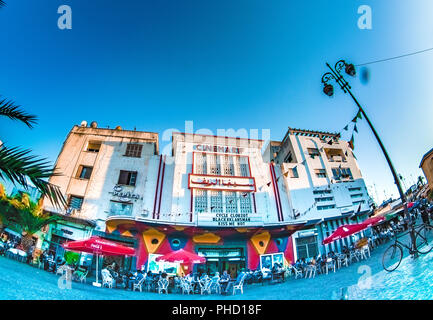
[124,195]
[245,184]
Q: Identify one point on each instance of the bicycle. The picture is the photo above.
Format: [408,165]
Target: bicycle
[393,256]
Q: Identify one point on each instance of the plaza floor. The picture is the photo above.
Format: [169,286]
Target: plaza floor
[362,280]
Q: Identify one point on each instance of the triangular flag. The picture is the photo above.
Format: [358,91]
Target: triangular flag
[359,115]
[269,183]
[286,174]
[278,179]
[346,127]
[345,153]
[330,142]
[355,129]
[355,119]
[351,143]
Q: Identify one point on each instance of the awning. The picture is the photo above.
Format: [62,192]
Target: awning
[12,232]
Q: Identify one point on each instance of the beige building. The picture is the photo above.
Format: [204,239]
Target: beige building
[427,167]
[102,172]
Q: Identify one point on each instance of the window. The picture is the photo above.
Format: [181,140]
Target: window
[215,166]
[200,165]
[229,167]
[324,199]
[356,195]
[245,202]
[313,152]
[84,172]
[355,189]
[321,191]
[244,167]
[200,201]
[332,206]
[231,202]
[120,208]
[342,173]
[294,173]
[133,150]
[216,201]
[94,146]
[288,158]
[127,178]
[320,173]
[358,202]
[306,247]
[75,202]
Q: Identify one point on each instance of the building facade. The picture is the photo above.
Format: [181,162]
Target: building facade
[103,172]
[427,167]
[325,184]
[237,202]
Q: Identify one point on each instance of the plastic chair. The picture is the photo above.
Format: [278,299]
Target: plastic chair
[162,285]
[138,285]
[107,279]
[239,286]
[205,285]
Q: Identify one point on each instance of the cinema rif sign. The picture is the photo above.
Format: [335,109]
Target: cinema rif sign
[219,149]
[221,183]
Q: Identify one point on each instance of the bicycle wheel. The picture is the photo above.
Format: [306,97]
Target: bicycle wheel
[424,239]
[392,257]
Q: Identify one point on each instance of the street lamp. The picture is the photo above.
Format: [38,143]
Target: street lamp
[328,89]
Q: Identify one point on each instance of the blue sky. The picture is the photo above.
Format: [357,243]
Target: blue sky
[223,64]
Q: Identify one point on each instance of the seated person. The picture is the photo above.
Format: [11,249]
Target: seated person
[232,283]
[224,280]
[80,272]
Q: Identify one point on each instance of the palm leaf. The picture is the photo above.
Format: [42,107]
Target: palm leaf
[12,111]
[17,165]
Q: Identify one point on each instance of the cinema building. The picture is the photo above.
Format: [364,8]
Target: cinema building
[217,197]
[237,202]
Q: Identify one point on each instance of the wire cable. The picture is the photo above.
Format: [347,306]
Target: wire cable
[397,57]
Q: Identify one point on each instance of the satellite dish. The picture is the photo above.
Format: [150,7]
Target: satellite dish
[83,123]
[94,124]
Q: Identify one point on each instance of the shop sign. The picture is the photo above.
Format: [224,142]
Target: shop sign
[124,195]
[222,183]
[219,149]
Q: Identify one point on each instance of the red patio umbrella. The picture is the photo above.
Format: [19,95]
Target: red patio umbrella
[344,231]
[182,256]
[373,221]
[99,246]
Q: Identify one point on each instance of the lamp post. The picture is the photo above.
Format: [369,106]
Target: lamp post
[328,89]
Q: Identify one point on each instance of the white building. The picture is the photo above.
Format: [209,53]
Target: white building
[324,183]
[103,172]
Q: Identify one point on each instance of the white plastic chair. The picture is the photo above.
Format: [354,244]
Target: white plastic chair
[215,285]
[311,271]
[138,285]
[330,265]
[205,286]
[162,285]
[240,285]
[107,279]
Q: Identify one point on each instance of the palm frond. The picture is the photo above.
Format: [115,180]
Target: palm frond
[17,165]
[12,111]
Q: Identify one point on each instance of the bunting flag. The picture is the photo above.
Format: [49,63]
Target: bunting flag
[269,183]
[330,142]
[286,174]
[355,119]
[346,127]
[304,162]
[355,129]
[345,153]
[351,143]
[359,115]
[278,179]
